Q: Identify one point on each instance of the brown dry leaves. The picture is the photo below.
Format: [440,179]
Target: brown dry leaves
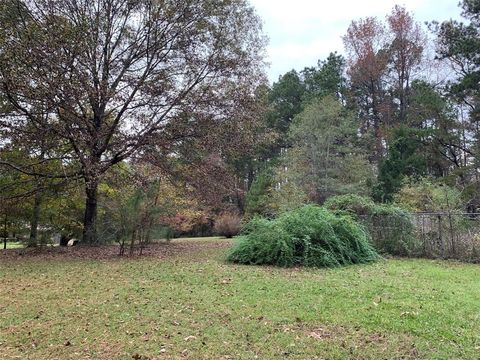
[157,250]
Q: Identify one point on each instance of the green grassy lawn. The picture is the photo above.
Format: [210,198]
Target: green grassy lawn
[195,306]
[12,245]
[195,239]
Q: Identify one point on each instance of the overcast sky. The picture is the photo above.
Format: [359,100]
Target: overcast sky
[303,31]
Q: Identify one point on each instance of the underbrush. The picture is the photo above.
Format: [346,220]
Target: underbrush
[391,228]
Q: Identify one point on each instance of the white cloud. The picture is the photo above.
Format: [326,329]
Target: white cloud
[303,31]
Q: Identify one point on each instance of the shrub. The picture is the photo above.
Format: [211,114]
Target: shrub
[308,236]
[427,196]
[393,231]
[391,228]
[354,204]
[228,225]
[165,232]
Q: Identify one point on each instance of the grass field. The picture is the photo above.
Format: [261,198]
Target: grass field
[11,245]
[192,305]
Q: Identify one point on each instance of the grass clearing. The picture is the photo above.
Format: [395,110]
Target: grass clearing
[12,245]
[193,305]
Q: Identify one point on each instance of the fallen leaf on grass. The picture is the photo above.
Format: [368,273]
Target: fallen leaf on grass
[409,314]
[319,334]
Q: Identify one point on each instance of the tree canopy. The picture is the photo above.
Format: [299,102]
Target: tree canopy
[106,78]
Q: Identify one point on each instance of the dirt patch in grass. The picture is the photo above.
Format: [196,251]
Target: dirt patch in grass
[157,250]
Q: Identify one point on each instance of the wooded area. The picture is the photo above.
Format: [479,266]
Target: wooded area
[129,121]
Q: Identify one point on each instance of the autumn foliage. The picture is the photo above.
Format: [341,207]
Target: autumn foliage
[228,225]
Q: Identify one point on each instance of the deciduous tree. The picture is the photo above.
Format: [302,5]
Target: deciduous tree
[367,65]
[405,56]
[108,77]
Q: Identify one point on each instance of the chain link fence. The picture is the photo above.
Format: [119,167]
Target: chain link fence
[431,235]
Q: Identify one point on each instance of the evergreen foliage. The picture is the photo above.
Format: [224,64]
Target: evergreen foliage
[308,236]
[325,159]
[391,227]
[404,159]
[351,203]
[257,199]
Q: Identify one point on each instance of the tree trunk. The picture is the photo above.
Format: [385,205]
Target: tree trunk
[132,242]
[33,241]
[90,218]
[5,231]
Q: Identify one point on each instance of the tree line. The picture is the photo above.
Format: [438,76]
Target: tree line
[396,119]
[129,120]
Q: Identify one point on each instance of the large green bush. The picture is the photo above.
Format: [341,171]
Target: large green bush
[391,228]
[308,236]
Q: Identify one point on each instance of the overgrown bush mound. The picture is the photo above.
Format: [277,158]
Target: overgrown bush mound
[391,228]
[308,236]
